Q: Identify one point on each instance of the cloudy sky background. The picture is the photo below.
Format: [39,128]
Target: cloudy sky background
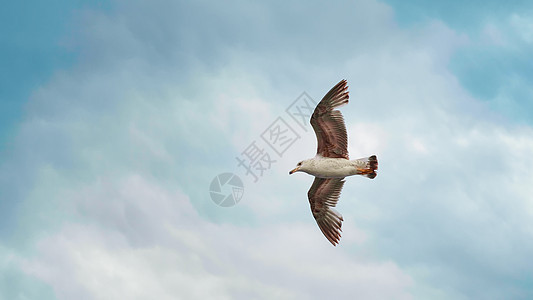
[115,117]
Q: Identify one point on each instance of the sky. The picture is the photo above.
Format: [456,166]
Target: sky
[116,117]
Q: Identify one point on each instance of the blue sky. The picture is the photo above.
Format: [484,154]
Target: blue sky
[116,116]
[34,45]
[499,54]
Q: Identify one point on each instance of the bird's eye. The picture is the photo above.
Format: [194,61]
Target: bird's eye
[300,163]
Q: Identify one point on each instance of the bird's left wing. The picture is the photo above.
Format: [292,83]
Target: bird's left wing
[323,196]
[328,123]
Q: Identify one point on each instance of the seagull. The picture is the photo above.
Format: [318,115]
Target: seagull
[331,164]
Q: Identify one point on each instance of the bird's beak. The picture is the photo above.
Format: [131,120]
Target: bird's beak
[294,170]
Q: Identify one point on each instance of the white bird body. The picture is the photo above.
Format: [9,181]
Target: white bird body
[326,167]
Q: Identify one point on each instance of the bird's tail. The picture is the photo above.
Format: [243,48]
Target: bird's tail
[367,166]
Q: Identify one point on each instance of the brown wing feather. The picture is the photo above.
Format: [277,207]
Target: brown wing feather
[329,124]
[323,196]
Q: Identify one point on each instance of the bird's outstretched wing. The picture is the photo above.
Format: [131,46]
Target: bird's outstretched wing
[323,196]
[329,124]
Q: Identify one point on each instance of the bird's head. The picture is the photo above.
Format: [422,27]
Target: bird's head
[300,167]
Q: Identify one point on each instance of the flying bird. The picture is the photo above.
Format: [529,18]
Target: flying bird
[331,164]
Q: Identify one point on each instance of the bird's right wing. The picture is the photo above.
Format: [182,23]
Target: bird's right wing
[323,196]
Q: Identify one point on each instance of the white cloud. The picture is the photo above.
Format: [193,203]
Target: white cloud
[145,242]
[524,27]
[492,35]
